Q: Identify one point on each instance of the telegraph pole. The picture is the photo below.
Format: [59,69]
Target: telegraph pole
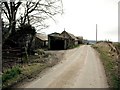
[96,33]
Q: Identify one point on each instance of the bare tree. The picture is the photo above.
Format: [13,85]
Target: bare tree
[10,10]
[27,13]
[33,12]
[36,12]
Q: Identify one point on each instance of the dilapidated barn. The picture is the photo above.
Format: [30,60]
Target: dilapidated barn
[72,40]
[80,39]
[57,42]
[41,41]
[61,41]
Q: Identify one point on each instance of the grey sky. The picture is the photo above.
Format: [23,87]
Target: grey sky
[81,16]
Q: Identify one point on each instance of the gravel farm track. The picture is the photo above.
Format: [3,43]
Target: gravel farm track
[80,68]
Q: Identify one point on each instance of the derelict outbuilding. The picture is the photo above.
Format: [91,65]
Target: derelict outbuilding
[57,42]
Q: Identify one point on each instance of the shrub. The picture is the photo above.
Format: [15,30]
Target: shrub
[11,73]
[40,52]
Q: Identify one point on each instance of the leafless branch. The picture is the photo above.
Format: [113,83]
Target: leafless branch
[5,13]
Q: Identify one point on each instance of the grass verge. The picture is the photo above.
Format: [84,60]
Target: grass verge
[110,67]
[19,73]
[28,71]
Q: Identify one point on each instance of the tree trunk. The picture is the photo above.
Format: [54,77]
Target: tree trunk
[30,45]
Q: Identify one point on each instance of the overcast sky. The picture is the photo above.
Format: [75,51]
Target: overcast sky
[81,16]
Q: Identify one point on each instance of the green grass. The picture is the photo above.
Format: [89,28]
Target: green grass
[30,71]
[9,74]
[23,72]
[17,73]
[109,66]
[27,71]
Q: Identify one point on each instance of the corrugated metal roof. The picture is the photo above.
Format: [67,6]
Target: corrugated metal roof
[42,36]
[71,35]
[55,34]
[80,37]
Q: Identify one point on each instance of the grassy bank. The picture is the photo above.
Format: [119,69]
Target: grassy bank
[110,65]
[26,71]
[19,73]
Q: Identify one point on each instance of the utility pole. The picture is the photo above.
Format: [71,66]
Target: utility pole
[96,33]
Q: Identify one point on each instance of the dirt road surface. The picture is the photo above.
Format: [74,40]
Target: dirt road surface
[80,68]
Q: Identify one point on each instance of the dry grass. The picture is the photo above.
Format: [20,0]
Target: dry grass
[109,60]
[32,69]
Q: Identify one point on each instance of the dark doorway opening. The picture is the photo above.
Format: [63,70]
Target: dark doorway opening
[57,44]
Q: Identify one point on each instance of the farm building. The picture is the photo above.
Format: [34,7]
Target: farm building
[65,40]
[80,39]
[41,41]
[72,39]
[57,42]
